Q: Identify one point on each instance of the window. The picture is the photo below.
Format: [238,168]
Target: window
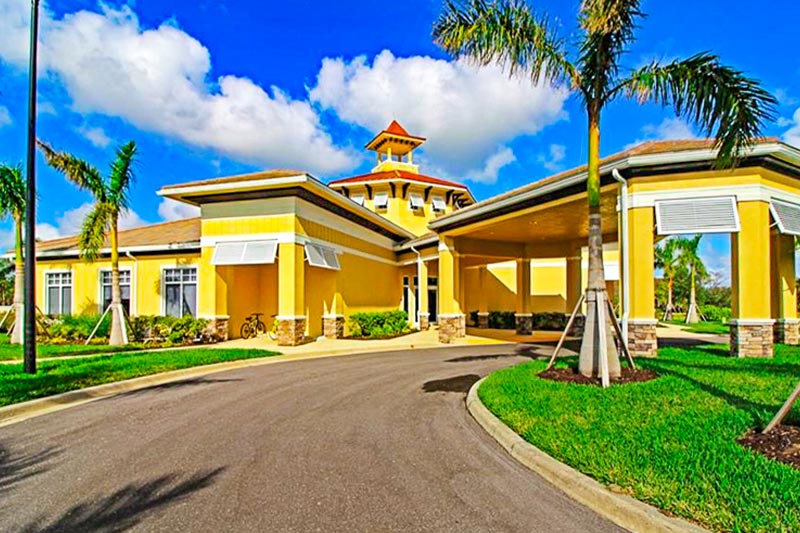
[415,201]
[381,200]
[358,198]
[322,256]
[245,253]
[180,292]
[124,287]
[697,215]
[439,205]
[59,293]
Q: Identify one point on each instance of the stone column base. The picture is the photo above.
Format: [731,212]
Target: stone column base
[787,331]
[642,339]
[578,325]
[333,326]
[424,321]
[452,328]
[291,330]
[524,323]
[752,338]
[217,329]
[483,320]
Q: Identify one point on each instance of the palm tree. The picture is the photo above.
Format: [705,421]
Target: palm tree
[667,261]
[690,259]
[111,200]
[12,203]
[717,98]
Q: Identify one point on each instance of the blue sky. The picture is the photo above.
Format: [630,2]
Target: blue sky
[214,88]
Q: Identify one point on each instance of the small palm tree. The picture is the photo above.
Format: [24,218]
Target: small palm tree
[111,200]
[718,98]
[690,259]
[12,203]
[667,261]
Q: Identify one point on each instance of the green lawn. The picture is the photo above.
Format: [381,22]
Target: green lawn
[9,352]
[716,328]
[670,442]
[54,377]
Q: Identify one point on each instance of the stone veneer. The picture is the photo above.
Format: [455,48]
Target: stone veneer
[787,331]
[642,339]
[752,338]
[451,328]
[333,326]
[483,320]
[524,323]
[424,321]
[217,329]
[291,331]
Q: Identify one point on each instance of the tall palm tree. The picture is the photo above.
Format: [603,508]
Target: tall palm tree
[690,259]
[12,203]
[719,99]
[111,200]
[667,261]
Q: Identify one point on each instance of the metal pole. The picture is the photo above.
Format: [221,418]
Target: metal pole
[30,204]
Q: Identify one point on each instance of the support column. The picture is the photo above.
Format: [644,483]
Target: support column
[212,301]
[752,324]
[574,289]
[423,321]
[333,319]
[784,297]
[523,315]
[642,340]
[451,314]
[291,301]
[483,297]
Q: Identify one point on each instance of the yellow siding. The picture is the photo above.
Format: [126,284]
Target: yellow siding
[249,225]
[334,236]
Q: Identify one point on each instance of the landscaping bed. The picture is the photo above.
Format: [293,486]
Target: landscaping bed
[571,375]
[673,441]
[54,377]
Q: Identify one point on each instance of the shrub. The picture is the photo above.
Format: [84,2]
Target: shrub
[183,330]
[508,320]
[378,324]
[77,327]
[715,313]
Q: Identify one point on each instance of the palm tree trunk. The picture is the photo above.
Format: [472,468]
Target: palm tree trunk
[670,288]
[592,353]
[17,333]
[117,336]
[692,316]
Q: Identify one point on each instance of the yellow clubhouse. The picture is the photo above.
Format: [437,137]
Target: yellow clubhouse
[284,243]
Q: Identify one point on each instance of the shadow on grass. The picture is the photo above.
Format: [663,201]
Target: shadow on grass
[460,384]
[17,467]
[126,507]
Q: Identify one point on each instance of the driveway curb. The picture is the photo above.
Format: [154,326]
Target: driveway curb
[621,509]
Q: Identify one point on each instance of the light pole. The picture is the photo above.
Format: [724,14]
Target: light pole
[30,204]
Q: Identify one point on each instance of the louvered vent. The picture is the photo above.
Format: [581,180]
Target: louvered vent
[321,256]
[697,215]
[245,253]
[787,216]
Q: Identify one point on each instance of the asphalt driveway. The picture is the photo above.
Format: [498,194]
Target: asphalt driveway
[372,443]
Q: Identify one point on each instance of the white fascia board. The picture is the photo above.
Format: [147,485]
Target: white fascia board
[253,184]
[132,249]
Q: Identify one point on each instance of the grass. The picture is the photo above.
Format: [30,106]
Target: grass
[54,377]
[715,328]
[9,352]
[672,441]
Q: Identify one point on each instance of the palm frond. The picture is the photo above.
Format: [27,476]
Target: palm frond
[76,170]
[12,191]
[94,230]
[719,99]
[122,175]
[609,27]
[506,33]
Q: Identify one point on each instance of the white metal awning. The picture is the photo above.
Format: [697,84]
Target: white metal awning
[322,256]
[716,214]
[381,200]
[439,204]
[786,215]
[415,201]
[245,253]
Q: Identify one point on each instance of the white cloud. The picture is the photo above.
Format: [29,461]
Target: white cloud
[172,210]
[785,98]
[96,136]
[464,111]
[5,117]
[71,221]
[488,174]
[157,80]
[552,161]
[670,129]
[792,135]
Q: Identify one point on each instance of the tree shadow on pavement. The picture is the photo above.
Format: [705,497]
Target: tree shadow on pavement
[16,467]
[126,507]
[173,385]
[460,384]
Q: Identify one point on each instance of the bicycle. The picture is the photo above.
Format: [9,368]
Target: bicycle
[253,326]
[273,331]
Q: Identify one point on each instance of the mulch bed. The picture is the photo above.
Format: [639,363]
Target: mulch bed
[571,375]
[781,444]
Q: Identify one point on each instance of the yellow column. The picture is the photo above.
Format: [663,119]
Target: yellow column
[291,291]
[784,297]
[752,325]
[523,310]
[212,298]
[641,258]
[483,297]
[451,315]
[422,291]
[574,283]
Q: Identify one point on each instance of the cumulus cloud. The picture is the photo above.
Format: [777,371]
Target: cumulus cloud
[5,117]
[468,114]
[554,158]
[792,135]
[71,221]
[157,80]
[669,129]
[96,136]
[171,210]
